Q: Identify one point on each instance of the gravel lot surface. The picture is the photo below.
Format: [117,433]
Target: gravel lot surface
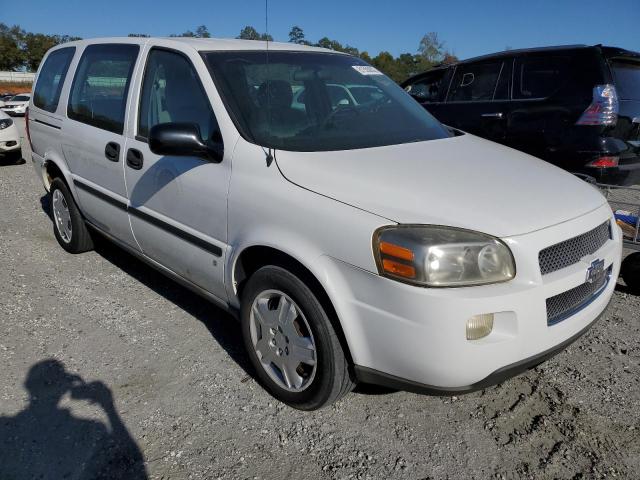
[177,394]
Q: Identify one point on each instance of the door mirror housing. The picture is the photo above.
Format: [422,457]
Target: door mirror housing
[184,139]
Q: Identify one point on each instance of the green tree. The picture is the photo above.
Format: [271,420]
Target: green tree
[296,35]
[365,56]
[11,47]
[431,48]
[35,45]
[201,32]
[250,33]
[385,62]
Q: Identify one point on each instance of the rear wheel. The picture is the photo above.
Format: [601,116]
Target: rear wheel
[291,341]
[630,271]
[68,224]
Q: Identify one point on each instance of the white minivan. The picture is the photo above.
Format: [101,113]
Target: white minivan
[355,241]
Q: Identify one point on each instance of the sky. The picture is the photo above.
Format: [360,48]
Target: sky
[467,27]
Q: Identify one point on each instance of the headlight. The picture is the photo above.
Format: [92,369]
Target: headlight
[6,123]
[435,256]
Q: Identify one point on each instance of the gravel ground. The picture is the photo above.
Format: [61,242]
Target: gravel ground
[157,375]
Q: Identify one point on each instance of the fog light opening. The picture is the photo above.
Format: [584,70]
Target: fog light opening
[479,326]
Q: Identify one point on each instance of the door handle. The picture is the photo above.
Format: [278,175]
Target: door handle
[493,115]
[134,159]
[112,151]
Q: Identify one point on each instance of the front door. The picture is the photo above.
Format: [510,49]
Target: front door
[177,204]
[92,136]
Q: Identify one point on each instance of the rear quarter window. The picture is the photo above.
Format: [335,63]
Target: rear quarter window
[540,77]
[51,79]
[101,84]
[626,75]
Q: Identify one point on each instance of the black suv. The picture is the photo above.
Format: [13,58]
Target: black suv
[577,107]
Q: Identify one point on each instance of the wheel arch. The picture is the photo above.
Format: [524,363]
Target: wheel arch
[251,258]
[51,169]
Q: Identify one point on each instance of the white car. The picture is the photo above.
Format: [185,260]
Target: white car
[356,243]
[9,138]
[16,105]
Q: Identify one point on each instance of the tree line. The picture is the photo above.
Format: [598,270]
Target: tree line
[21,50]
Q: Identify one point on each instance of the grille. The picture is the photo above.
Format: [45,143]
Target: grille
[570,302]
[569,252]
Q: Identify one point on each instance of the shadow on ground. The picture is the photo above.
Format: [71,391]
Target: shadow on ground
[10,161]
[46,441]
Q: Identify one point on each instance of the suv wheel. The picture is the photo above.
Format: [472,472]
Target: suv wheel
[68,224]
[291,341]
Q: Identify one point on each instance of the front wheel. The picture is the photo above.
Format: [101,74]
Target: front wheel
[291,341]
[630,271]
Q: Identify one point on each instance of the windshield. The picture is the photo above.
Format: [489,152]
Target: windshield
[20,98]
[627,78]
[302,101]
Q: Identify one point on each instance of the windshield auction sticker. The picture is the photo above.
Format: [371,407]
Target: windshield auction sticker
[366,70]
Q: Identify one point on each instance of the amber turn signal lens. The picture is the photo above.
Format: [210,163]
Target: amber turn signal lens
[396,251]
[399,269]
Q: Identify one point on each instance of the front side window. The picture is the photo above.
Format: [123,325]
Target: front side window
[474,82]
[51,78]
[101,84]
[430,88]
[171,92]
[540,77]
[302,101]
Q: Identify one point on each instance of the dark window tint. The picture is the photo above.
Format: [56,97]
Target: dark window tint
[100,86]
[20,98]
[502,88]
[260,93]
[627,79]
[51,79]
[339,95]
[474,82]
[171,92]
[429,88]
[540,77]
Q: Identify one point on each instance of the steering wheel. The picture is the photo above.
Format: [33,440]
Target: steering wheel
[339,110]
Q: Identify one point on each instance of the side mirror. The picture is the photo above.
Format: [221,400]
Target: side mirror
[183,139]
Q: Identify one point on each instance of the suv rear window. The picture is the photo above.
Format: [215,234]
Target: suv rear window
[540,77]
[51,79]
[99,91]
[627,79]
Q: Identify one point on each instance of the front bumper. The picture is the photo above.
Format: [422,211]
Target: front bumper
[417,336]
[368,375]
[9,139]
[21,110]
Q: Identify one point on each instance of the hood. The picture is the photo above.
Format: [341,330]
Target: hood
[463,181]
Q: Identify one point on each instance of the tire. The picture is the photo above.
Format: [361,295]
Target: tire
[308,326]
[75,238]
[630,272]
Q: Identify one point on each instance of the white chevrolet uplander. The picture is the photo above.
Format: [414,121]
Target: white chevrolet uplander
[356,242]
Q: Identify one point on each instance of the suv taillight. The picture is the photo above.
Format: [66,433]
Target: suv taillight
[603,109]
[604,162]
